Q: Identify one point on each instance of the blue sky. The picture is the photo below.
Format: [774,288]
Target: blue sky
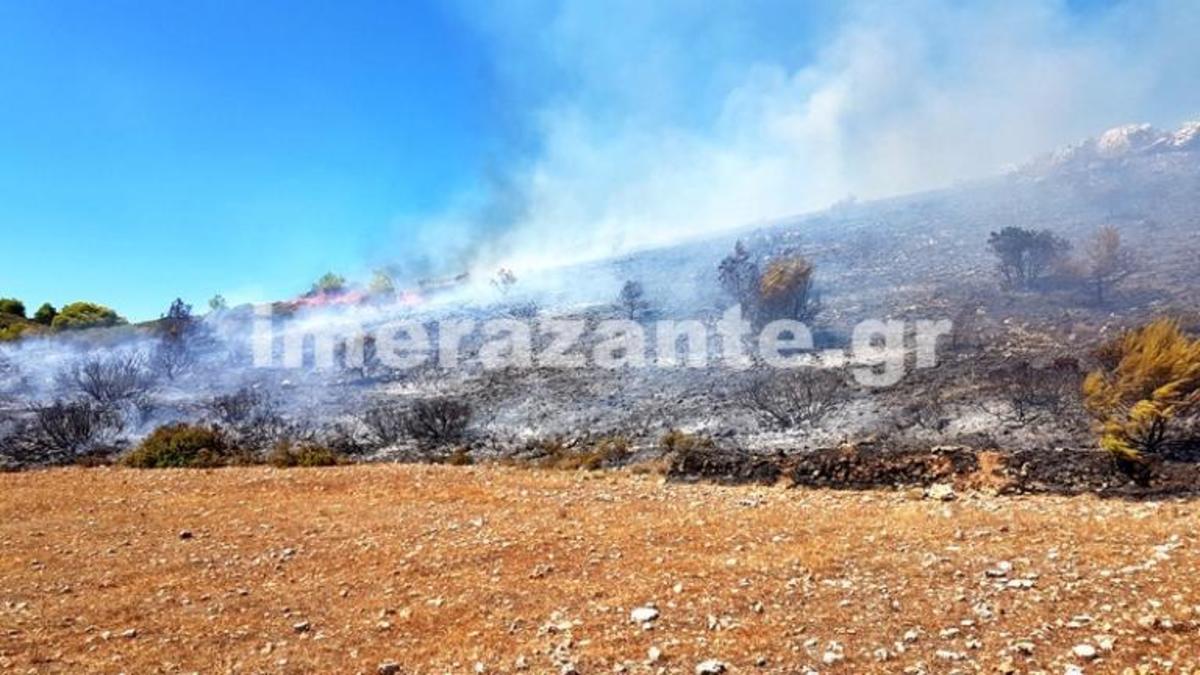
[150,150]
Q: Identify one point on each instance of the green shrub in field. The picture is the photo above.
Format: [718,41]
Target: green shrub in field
[182,445]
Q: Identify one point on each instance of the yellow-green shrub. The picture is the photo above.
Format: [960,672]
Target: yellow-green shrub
[1149,379]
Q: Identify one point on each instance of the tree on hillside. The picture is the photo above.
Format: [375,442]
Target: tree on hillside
[217,303]
[45,314]
[1108,262]
[738,276]
[382,284]
[1026,255]
[177,330]
[632,299]
[786,290]
[12,306]
[329,284]
[504,280]
[81,315]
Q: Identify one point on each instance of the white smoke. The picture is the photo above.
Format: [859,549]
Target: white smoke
[676,120]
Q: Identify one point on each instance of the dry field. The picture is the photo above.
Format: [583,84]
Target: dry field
[462,570]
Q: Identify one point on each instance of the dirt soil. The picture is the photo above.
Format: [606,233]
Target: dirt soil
[434,569]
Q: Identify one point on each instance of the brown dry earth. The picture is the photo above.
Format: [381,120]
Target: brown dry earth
[485,569]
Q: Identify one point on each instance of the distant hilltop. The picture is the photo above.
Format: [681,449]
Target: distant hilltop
[1116,144]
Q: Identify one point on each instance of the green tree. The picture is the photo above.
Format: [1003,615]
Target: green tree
[12,306]
[329,284]
[80,315]
[1026,255]
[382,284]
[217,303]
[45,314]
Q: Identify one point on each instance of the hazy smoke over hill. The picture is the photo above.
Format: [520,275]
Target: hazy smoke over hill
[676,119]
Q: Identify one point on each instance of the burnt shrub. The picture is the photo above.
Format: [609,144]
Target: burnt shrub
[386,424]
[1050,393]
[794,399]
[240,407]
[342,437]
[183,445]
[251,418]
[437,420]
[109,379]
[289,454]
[71,426]
[608,451]
[679,441]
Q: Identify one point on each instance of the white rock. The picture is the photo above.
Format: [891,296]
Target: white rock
[942,492]
[830,658]
[1084,651]
[643,615]
[711,667]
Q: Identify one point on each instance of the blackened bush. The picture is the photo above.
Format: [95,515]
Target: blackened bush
[109,379]
[606,452]
[794,399]
[251,419]
[386,424]
[438,420]
[242,406]
[73,426]
[288,454]
[342,438]
[183,445]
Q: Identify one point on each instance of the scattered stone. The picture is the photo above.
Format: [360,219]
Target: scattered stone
[302,627]
[185,534]
[711,667]
[1084,651]
[829,658]
[388,668]
[643,615]
[941,492]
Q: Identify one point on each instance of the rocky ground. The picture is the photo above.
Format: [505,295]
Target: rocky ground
[433,569]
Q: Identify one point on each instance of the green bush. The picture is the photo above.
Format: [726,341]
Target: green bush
[12,306]
[79,315]
[287,454]
[45,314]
[182,445]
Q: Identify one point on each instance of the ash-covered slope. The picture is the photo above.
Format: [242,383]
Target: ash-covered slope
[921,256]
